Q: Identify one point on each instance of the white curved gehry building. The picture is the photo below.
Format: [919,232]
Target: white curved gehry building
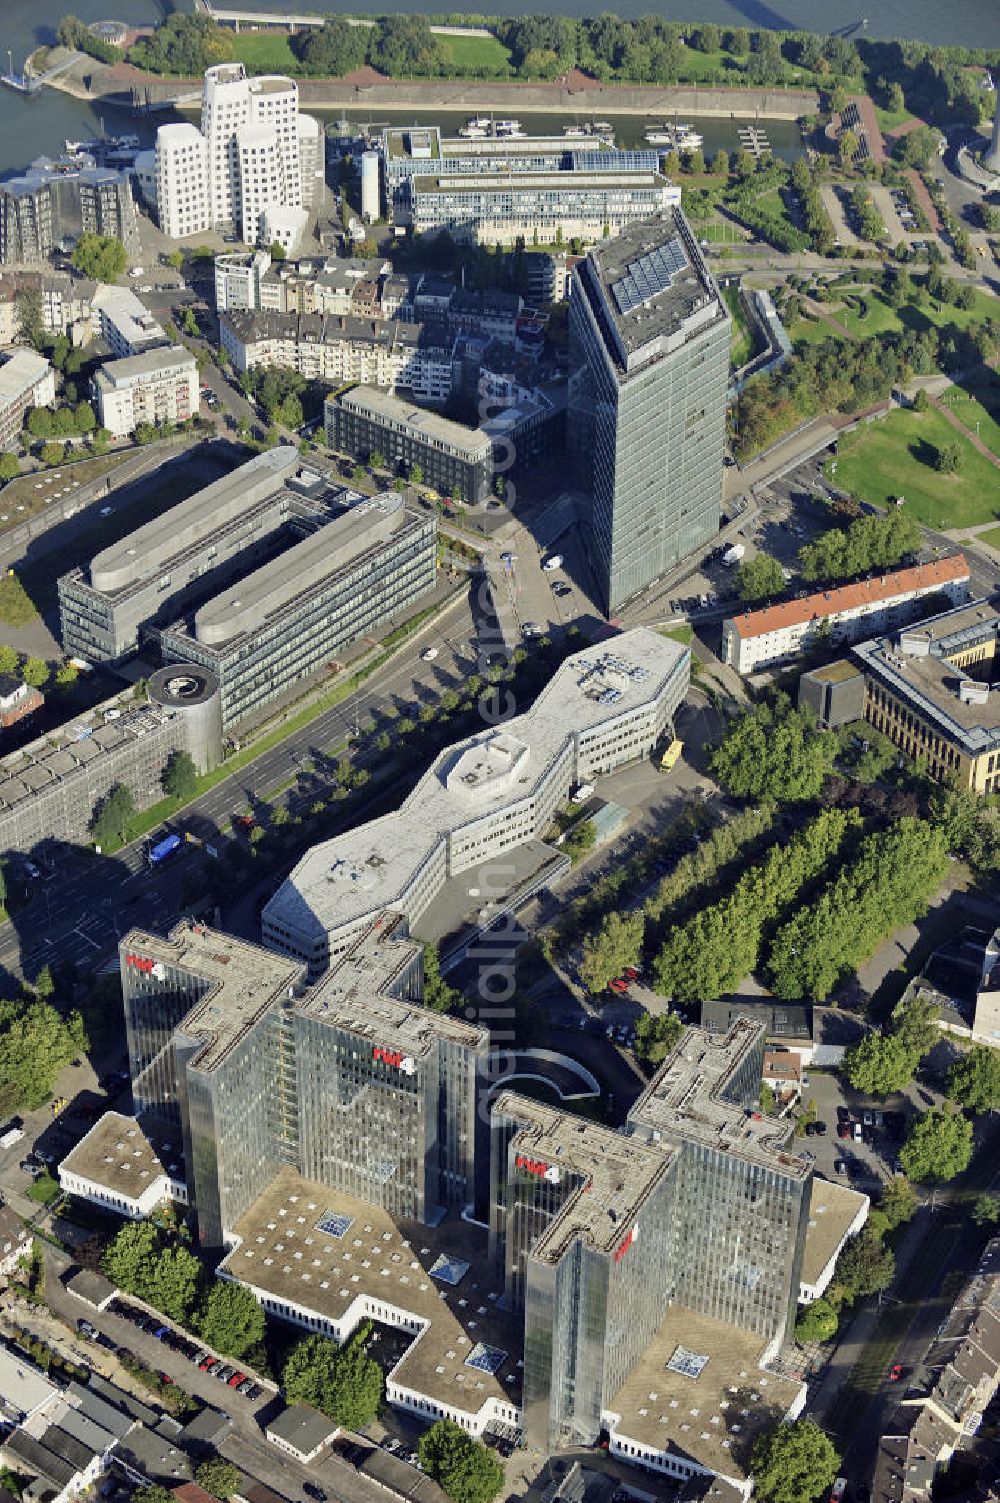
[606,706]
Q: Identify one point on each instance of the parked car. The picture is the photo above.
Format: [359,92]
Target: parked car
[840,1166]
[224,1374]
[313,1490]
[618,985]
[820,1129]
[87,1329]
[237,1379]
[895,1372]
[254,1391]
[844,1130]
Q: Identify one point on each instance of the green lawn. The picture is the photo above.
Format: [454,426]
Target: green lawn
[980,405]
[881,319]
[743,343]
[45,1189]
[16,606]
[890,457]
[476,54]
[870,315]
[684,634]
[992,537]
[810,331]
[891,119]
[264,52]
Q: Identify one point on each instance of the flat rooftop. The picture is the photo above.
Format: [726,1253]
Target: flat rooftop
[916,664]
[650,288]
[266,592]
[688,1100]
[539,182]
[833,1210]
[350,995]
[158,542]
[616,1174]
[372,868]
[241,981]
[118,1155]
[283,1252]
[865,593]
[156,362]
[20,371]
[431,427]
[699,1391]
[838,672]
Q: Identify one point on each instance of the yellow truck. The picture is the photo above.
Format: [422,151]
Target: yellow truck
[669,756]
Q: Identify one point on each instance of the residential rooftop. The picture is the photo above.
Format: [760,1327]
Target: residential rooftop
[283,1252]
[302,1427]
[614,1175]
[20,371]
[700,1391]
[917,664]
[649,289]
[864,594]
[241,982]
[694,1097]
[114,373]
[430,427]
[254,327]
[376,866]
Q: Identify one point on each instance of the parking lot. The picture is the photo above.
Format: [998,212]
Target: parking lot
[871,1159]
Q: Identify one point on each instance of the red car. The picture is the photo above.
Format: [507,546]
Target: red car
[618,985]
[843,1130]
[204,1366]
[895,1372]
[631,972]
[237,1379]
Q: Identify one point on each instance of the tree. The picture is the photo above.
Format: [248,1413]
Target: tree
[656,1037]
[898,1202]
[773,753]
[606,953]
[793,1463]
[866,1266]
[100,257]
[30,317]
[219,1477]
[174,1283]
[974,1081]
[131,1253]
[947,458]
[879,1065]
[895,101]
[581,838]
[35,672]
[466,1470]
[157,1493]
[10,659]
[416,476]
[376,460]
[342,1382]
[759,578]
[938,1146]
[720,163]
[179,778]
[40,422]
[44,986]
[176,259]
[986,1211]
[10,467]
[53,455]
[232,1322]
[818,1322]
[112,816]
[35,1044]
[276,250]
[438,995]
[84,418]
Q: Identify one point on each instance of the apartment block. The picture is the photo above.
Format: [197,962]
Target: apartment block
[182,192]
[124,322]
[339,350]
[649,370]
[53,203]
[160,386]
[27,380]
[778,633]
[455,460]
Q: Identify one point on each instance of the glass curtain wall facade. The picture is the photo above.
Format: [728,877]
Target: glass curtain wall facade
[156,998]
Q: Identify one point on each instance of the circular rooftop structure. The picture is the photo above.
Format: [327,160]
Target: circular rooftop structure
[181,685]
[115,33]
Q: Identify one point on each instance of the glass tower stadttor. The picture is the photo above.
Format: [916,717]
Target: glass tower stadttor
[646,421]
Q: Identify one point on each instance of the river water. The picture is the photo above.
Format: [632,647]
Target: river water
[29,127]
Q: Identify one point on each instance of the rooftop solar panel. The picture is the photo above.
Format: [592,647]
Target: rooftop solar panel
[649,275]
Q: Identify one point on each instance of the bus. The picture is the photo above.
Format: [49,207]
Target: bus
[671,754]
[164,849]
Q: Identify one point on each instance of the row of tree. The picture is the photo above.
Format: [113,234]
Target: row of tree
[720,945]
[889,882]
[870,544]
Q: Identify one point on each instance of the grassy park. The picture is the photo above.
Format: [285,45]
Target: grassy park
[894,456]
[743,343]
[264,52]
[472,54]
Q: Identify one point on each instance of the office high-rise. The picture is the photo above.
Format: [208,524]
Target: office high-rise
[649,357]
